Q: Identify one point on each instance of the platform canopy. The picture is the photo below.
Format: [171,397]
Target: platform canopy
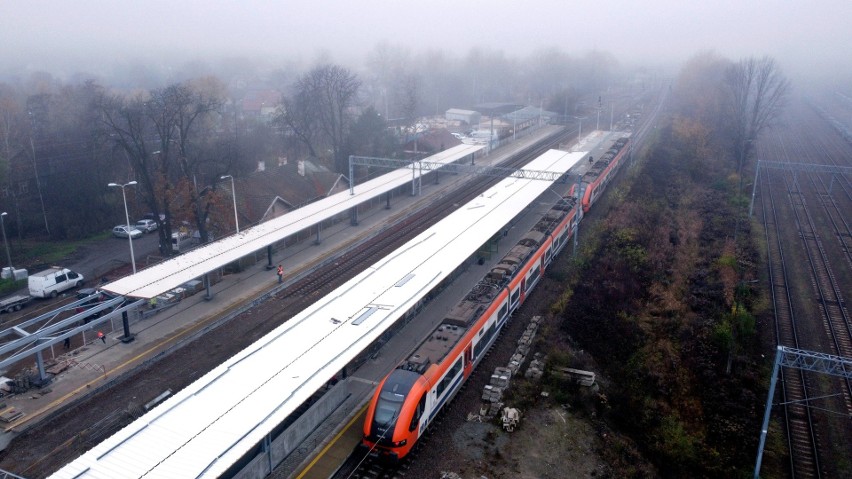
[174,272]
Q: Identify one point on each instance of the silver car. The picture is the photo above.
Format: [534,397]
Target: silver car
[120,231]
[146,226]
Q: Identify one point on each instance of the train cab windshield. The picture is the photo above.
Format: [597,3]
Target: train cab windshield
[391,400]
[388,407]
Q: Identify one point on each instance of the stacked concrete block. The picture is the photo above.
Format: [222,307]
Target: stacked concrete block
[492,394]
[500,380]
[535,370]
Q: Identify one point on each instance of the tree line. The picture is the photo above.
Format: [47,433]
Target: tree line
[61,143]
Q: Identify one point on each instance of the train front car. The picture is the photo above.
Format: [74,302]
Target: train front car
[392,425]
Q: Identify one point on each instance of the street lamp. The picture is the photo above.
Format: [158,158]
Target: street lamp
[234,196]
[127,217]
[8,256]
[580,129]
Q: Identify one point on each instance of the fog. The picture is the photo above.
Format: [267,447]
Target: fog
[106,38]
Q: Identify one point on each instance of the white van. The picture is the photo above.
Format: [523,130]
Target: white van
[182,241]
[53,281]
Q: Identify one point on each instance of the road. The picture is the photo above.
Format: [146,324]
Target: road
[106,257]
[97,259]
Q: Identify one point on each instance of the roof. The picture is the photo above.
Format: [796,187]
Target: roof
[211,424]
[257,100]
[257,192]
[434,140]
[176,271]
[497,108]
[529,112]
[458,111]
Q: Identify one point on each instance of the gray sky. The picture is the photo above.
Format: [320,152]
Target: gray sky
[63,37]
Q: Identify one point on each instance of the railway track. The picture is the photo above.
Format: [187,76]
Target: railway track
[801,437]
[808,239]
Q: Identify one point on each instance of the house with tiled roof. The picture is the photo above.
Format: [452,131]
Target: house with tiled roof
[433,141]
[260,103]
[273,191]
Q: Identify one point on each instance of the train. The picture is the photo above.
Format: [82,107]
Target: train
[408,399]
[596,179]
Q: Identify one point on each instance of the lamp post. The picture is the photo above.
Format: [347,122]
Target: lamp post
[8,256]
[127,217]
[234,197]
[580,128]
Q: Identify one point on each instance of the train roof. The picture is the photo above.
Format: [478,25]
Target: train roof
[208,426]
[174,272]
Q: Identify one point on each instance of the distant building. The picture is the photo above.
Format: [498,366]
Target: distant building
[469,116]
[495,109]
[260,103]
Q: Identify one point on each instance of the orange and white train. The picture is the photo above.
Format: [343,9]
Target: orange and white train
[597,178]
[410,397]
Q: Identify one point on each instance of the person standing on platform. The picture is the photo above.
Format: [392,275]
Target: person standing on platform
[280,274]
[101,336]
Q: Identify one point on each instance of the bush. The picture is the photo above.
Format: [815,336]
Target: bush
[9,286]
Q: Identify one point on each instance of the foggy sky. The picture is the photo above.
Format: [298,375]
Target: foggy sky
[65,37]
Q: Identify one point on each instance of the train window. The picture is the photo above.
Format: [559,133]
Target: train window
[504,310]
[515,294]
[534,274]
[418,413]
[489,333]
[448,379]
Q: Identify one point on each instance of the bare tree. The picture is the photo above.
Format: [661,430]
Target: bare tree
[298,118]
[318,114]
[409,98]
[178,113]
[757,92]
[166,121]
[335,89]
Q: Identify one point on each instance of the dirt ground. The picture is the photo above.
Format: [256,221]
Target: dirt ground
[550,443]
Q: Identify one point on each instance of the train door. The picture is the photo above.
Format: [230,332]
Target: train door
[418,414]
[468,360]
[514,299]
[523,289]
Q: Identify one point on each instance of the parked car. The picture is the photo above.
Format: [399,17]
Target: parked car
[120,231]
[146,226]
[53,281]
[153,217]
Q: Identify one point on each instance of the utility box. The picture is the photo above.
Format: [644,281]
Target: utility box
[20,274]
